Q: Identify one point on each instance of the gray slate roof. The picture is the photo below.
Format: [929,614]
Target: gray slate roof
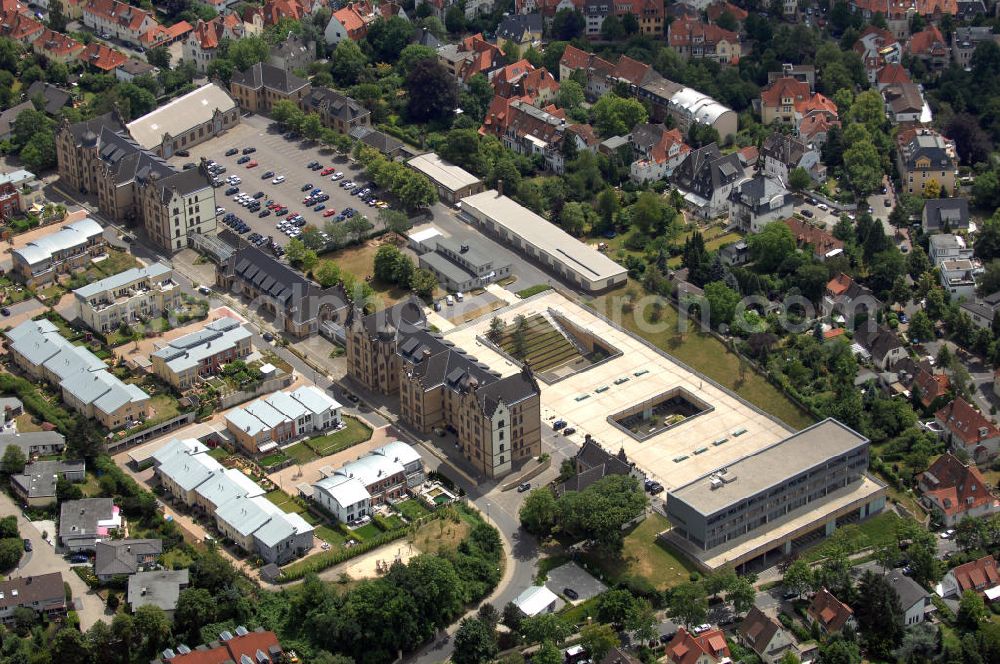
[262,75]
[121,556]
[157,588]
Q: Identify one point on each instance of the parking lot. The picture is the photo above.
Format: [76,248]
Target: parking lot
[573,577]
[282,157]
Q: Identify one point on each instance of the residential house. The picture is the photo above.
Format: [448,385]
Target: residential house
[32,443]
[693,39]
[983,311]
[84,523]
[202,45]
[52,99]
[764,636]
[924,156]
[904,103]
[891,74]
[129,297]
[715,11]
[956,490]
[931,387]
[223,487]
[790,101]
[593,463]
[7,118]
[132,69]
[803,73]
[709,647]
[259,87]
[814,129]
[966,428]
[706,177]
[118,20]
[735,253]
[884,345]
[846,297]
[877,48]
[965,40]
[979,576]
[658,152]
[472,55]
[85,383]
[389,146]
[757,201]
[298,304]
[783,154]
[101,58]
[258,647]
[181,474]
[182,362]
[830,613]
[946,246]
[958,277]
[520,30]
[36,485]
[20,27]
[293,53]
[823,245]
[528,130]
[159,588]
[521,79]
[967,10]
[913,599]
[930,46]
[19,192]
[43,593]
[384,475]
[262,425]
[177,447]
[350,22]
[125,557]
[56,47]
[945,215]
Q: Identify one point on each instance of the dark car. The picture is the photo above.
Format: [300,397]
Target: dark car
[569,431]
[524,486]
[182,153]
[5,311]
[259,195]
[188,166]
[268,337]
[79,558]
[231,151]
[319,208]
[242,160]
[266,174]
[558,424]
[27,544]
[232,190]
[249,150]
[886,202]
[806,213]
[264,213]
[307,187]
[656,488]
[311,164]
[572,594]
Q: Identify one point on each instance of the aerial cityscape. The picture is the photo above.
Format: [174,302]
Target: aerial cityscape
[601,333]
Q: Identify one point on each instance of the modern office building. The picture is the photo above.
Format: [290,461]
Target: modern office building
[129,297]
[497,420]
[183,361]
[762,506]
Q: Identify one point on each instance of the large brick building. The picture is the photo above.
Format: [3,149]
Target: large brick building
[497,420]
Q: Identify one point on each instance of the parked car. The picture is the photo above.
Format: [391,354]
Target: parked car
[268,337]
[327,171]
[182,153]
[266,174]
[307,187]
[570,593]
[329,213]
[558,424]
[264,213]
[569,431]
[252,164]
[523,486]
[231,151]
[311,164]
[278,180]
[249,150]
[242,160]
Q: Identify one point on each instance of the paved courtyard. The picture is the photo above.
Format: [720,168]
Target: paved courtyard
[587,398]
[575,578]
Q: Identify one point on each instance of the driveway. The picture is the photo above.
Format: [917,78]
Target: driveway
[576,578]
[43,559]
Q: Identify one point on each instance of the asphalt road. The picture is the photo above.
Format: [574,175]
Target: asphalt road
[43,559]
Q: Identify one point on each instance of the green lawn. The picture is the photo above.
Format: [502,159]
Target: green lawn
[301,453]
[716,241]
[644,556]
[164,407]
[533,290]
[219,453]
[704,353]
[876,531]
[353,433]
[367,531]
[273,459]
[332,537]
[412,509]
[284,501]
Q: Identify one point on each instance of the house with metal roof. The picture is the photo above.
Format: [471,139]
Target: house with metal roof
[127,298]
[536,600]
[177,447]
[184,473]
[33,443]
[69,248]
[346,498]
[383,475]
[185,360]
[453,182]
[223,487]
[262,425]
[86,384]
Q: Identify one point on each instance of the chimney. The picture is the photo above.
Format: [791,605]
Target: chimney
[499,188]
[464,248]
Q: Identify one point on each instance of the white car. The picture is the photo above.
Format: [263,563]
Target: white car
[704,627]
[336,176]
[823,206]
[278,180]
[948,534]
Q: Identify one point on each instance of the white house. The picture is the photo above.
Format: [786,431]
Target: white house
[536,600]
[346,498]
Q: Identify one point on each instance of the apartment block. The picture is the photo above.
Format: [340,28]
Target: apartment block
[259,87]
[129,297]
[923,156]
[763,506]
[69,248]
[262,425]
[185,360]
[497,420]
[384,474]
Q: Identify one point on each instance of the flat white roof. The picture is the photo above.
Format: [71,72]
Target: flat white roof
[425,234]
[181,115]
[535,600]
[544,237]
[444,174]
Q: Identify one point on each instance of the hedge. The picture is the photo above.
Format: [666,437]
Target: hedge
[36,404]
[327,559]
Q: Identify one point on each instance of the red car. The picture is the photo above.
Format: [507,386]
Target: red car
[329,213]
[273,206]
[307,200]
[328,170]
[291,214]
[252,164]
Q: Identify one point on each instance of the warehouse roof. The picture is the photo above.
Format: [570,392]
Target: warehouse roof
[770,466]
[545,237]
[444,174]
[181,115]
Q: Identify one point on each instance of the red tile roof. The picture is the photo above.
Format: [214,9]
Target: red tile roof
[57,44]
[102,57]
[685,648]
[815,124]
[668,141]
[928,42]
[932,386]
[978,575]
[893,73]
[803,99]
[684,33]
[953,486]
[630,70]
[231,650]
[574,58]
[822,242]
[966,423]
[585,132]
[839,285]
[120,13]
[20,27]
[941,7]
[350,19]
[833,333]
[715,10]
[828,611]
